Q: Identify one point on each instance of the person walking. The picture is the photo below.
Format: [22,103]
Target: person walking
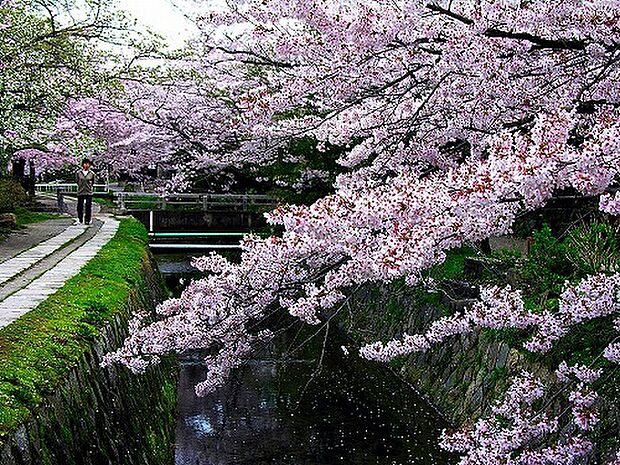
[85,178]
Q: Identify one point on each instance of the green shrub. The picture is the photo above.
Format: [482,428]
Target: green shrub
[12,195]
[547,266]
[593,248]
[25,216]
[453,267]
[507,257]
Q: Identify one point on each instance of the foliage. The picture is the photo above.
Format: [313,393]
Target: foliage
[453,267]
[547,265]
[304,175]
[12,195]
[51,53]
[593,248]
[585,249]
[106,201]
[37,350]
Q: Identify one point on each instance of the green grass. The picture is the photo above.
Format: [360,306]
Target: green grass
[25,217]
[39,349]
[453,267]
[106,201]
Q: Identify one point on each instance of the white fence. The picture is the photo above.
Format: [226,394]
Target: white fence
[53,187]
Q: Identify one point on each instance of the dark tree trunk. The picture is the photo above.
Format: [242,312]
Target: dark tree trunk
[19,168]
[31,179]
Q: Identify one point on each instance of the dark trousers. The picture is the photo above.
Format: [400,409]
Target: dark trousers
[84,214]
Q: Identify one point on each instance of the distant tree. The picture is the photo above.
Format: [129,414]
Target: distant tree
[52,51]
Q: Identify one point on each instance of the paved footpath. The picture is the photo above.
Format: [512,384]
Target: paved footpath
[23,261]
[21,240]
[39,284]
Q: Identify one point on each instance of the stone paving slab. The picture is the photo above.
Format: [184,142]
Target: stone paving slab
[16,265]
[27,276]
[21,240]
[28,298]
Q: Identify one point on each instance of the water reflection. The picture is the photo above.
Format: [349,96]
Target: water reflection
[177,271]
[269,413]
[175,264]
[279,412]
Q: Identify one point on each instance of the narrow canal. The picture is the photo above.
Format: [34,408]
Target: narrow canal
[289,410]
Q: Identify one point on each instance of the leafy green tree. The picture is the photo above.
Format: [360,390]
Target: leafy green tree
[52,51]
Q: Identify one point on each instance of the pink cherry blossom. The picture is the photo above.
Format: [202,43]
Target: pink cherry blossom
[456,117]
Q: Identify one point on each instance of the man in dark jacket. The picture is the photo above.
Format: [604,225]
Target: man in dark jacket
[85,179]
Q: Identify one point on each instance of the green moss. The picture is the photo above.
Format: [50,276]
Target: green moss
[39,349]
[107,201]
[511,336]
[394,309]
[45,457]
[66,434]
[498,374]
[397,363]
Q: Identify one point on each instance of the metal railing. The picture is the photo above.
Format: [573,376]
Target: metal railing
[52,187]
[194,246]
[201,201]
[61,193]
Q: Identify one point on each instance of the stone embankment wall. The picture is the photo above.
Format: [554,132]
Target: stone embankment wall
[104,416]
[462,377]
[466,375]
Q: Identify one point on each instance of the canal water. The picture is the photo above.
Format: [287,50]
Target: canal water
[291,406]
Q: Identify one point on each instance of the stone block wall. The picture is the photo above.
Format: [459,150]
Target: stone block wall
[463,376]
[104,416]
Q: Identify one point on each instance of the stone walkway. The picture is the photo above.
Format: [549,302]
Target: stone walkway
[29,278]
[21,240]
[18,281]
[23,261]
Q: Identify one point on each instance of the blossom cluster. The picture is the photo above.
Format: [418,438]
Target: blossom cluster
[502,308]
[457,117]
[513,425]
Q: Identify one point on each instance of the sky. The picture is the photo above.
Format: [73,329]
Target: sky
[162,16]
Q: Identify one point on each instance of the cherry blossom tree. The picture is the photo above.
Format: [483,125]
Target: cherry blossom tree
[457,117]
[53,52]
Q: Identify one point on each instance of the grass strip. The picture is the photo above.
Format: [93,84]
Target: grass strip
[40,348]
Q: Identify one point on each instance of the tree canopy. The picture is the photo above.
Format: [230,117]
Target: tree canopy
[451,119]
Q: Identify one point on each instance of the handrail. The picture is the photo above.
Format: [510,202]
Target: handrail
[198,234]
[194,246]
[66,187]
[204,201]
[193,195]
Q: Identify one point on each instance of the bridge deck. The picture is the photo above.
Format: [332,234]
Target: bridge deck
[194,246]
[197,234]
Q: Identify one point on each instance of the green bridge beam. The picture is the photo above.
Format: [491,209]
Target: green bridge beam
[201,234]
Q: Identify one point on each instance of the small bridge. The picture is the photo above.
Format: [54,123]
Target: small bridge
[202,221]
[182,221]
[191,202]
